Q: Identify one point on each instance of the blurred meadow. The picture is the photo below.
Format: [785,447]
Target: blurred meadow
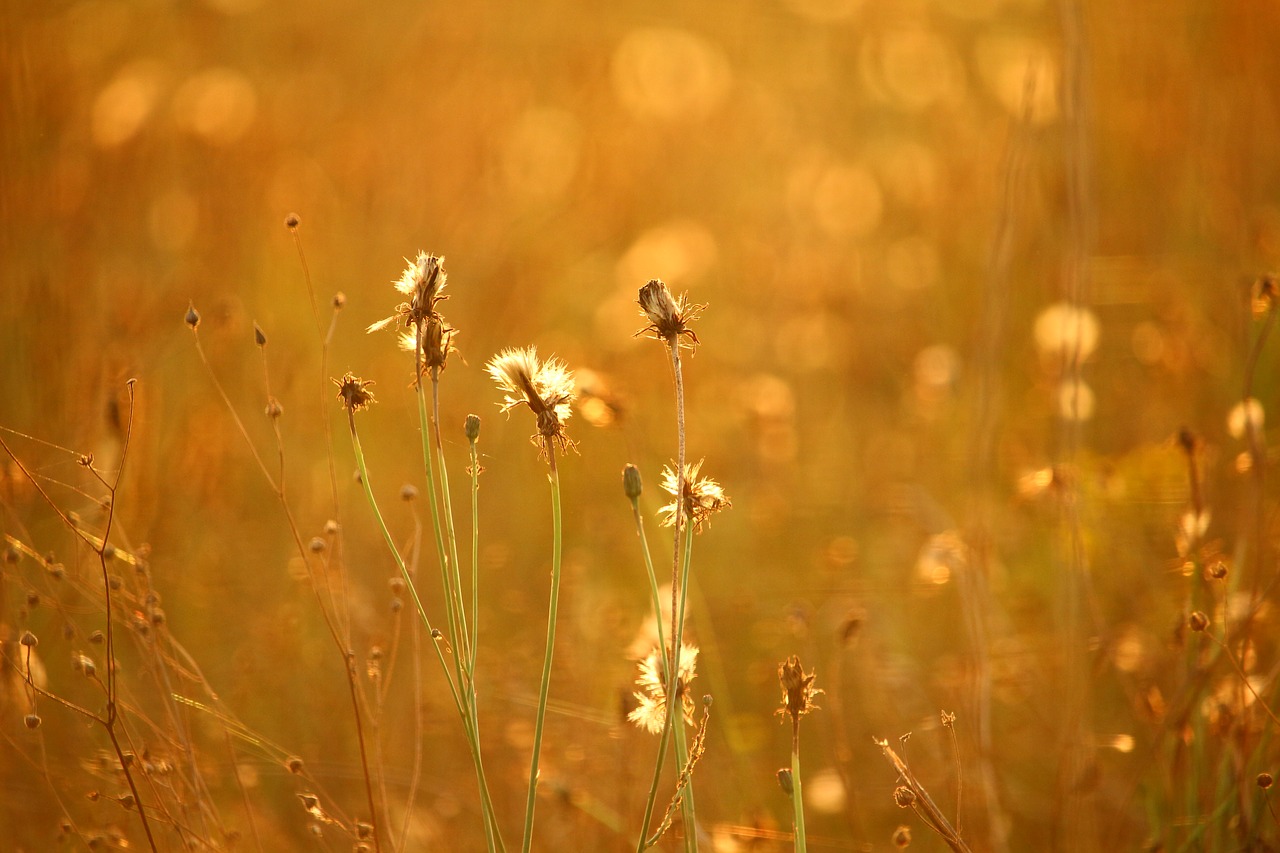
[985,288]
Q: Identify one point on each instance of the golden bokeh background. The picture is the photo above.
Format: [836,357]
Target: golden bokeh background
[907,220]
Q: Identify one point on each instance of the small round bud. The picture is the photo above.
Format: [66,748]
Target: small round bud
[114,582]
[31,721]
[902,837]
[785,782]
[1218,570]
[259,336]
[96,638]
[1198,621]
[193,317]
[29,640]
[408,492]
[274,410]
[1265,780]
[339,300]
[396,605]
[708,700]
[397,585]
[84,665]
[331,527]
[363,830]
[33,600]
[158,616]
[436,633]
[904,796]
[471,427]
[631,484]
[127,801]
[108,552]
[293,764]
[316,545]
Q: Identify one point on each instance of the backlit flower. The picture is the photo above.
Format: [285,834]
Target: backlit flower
[546,387]
[668,316]
[651,714]
[701,499]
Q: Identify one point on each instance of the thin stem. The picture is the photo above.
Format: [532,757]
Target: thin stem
[797,798]
[475,553]
[556,544]
[687,811]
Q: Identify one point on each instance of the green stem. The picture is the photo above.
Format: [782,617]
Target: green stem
[797,799]
[551,643]
[494,840]
[653,587]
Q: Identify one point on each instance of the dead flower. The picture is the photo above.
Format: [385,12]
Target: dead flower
[798,691]
[702,497]
[422,281]
[651,715]
[354,392]
[668,316]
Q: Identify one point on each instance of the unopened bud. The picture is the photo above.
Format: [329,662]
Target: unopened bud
[471,426]
[631,484]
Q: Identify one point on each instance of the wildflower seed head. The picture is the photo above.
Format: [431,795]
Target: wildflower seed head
[421,283]
[651,712]
[354,392]
[193,316]
[631,483]
[902,837]
[798,691]
[259,336]
[904,797]
[668,317]
[437,342]
[31,721]
[785,782]
[546,387]
[698,498]
[29,640]
[292,222]
[1198,621]
[471,428]
[1265,780]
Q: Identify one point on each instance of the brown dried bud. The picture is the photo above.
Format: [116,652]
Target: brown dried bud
[363,830]
[904,796]
[193,317]
[29,639]
[293,764]
[902,837]
[292,222]
[274,410]
[354,392]
[1218,570]
[1198,621]
[408,492]
[471,428]
[331,527]
[259,336]
[31,721]
[127,802]
[1265,780]
[668,317]
[316,545]
[96,638]
[786,782]
[339,300]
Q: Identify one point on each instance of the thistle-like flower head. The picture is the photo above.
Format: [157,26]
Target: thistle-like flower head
[668,316]
[798,691]
[702,497]
[354,392]
[546,387]
[651,713]
[422,282]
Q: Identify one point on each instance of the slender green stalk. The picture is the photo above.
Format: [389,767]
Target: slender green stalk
[653,585]
[797,800]
[556,544]
[475,552]
[462,705]
[451,534]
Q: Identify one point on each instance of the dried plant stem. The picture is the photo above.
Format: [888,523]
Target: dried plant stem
[348,657]
[475,552]
[109,720]
[797,798]
[553,606]
[923,804]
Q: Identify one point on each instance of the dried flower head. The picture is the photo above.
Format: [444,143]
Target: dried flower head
[702,497]
[546,387]
[422,281]
[798,691]
[668,316]
[354,392]
[651,715]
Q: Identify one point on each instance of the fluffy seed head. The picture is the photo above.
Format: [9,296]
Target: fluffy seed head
[546,387]
[651,713]
[697,498]
[422,282]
